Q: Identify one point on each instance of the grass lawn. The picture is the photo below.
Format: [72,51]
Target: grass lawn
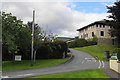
[25,64]
[97,73]
[97,50]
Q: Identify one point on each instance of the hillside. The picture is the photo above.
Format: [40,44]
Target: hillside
[97,50]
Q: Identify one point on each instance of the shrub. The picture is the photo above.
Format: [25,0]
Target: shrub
[5,55]
[95,39]
[52,50]
[77,43]
[92,41]
[80,42]
[118,53]
[71,44]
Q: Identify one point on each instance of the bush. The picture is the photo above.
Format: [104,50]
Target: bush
[80,42]
[83,42]
[92,41]
[118,53]
[71,44]
[77,43]
[53,50]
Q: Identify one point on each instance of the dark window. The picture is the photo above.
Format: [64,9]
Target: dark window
[112,35]
[110,26]
[86,35]
[92,34]
[96,25]
[100,25]
[101,33]
[103,26]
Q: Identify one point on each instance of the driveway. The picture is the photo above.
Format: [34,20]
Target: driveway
[81,61]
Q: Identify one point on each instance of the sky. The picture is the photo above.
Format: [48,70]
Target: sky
[62,18]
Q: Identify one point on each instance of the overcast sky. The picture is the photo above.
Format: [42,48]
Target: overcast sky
[61,18]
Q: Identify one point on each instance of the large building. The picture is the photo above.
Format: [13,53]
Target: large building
[67,39]
[100,29]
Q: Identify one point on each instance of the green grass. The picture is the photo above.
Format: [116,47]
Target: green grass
[25,64]
[97,50]
[97,73]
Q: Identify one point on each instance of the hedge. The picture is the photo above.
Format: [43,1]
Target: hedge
[51,50]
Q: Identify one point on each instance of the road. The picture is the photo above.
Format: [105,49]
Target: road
[81,61]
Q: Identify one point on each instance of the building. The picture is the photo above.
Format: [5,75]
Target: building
[100,29]
[67,39]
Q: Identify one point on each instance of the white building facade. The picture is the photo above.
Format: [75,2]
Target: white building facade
[100,29]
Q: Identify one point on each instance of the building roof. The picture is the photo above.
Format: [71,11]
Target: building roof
[65,38]
[105,22]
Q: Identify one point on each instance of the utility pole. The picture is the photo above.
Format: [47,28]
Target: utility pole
[32,45]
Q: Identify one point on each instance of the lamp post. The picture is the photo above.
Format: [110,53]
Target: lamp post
[32,44]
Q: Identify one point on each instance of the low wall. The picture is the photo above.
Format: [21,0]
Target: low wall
[107,41]
[114,65]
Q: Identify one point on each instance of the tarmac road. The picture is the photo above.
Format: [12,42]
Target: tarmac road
[81,61]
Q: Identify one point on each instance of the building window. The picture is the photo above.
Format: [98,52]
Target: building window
[100,25]
[110,26]
[86,35]
[101,33]
[112,35]
[96,25]
[103,26]
[92,34]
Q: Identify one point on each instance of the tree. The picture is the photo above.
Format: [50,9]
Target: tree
[115,15]
[38,34]
[16,37]
[10,28]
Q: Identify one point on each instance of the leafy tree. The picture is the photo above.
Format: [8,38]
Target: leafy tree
[95,39]
[115,15]
[16,37]
[10,29]
[38,34]
[24,40]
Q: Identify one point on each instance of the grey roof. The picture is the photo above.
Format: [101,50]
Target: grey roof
[104,22]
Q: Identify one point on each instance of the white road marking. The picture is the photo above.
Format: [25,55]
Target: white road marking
[4,76]
[103,64]
[23,75]
[99,64]
[88,59]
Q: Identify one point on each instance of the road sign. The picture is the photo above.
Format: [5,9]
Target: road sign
[18,57]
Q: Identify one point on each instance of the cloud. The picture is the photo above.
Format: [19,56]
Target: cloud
[58,0]
[57,17]
[106,4]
